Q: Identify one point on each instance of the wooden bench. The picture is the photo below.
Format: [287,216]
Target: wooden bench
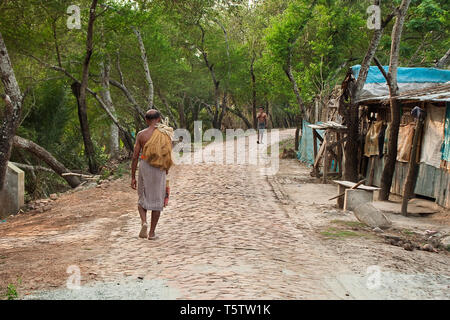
[343,185]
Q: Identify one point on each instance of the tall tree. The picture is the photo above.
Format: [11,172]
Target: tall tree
[11,117]
[351,112]
[106,97]
[79,90]
[395,105]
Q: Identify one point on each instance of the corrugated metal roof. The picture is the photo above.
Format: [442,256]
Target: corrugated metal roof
[440,93]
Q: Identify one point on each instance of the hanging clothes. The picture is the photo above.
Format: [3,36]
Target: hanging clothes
[446,145]
[433,136]
[405,139]
[371,147]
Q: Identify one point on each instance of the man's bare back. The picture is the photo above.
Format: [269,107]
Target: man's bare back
[143,137]
[262,116]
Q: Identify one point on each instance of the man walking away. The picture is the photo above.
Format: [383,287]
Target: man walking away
[152,175]
[262,124]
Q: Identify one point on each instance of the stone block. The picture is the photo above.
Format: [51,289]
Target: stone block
[355,197]
[368,214]
[12,197]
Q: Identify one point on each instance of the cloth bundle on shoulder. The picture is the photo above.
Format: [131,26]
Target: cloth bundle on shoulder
[158,149]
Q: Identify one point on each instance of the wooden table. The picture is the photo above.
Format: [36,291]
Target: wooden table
[343,185]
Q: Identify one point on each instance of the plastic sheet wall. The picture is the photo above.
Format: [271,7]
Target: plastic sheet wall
[306,147]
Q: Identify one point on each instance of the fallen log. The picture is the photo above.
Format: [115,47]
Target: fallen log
[31,168]
[47,157]
[82,176]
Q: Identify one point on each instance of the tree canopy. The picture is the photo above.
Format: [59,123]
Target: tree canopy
[214,61]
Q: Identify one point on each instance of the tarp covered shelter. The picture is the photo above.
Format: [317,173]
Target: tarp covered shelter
[428,88]
[409,79]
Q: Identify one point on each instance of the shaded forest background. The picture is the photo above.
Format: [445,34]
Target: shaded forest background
[214,61]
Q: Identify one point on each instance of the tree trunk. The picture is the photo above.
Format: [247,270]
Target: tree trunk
[352,145]
[223,108]
[295,88]
[410,182]
[148,77]
[443,62]
[181,112]
[239,113]
[106,96]
[252,73]
[217,115]
[76,85]
[166,104]
[352,111]
[391,158]
[299,123]
[121,85]
[85,132]
[79,89]
[47,157]
[13,100]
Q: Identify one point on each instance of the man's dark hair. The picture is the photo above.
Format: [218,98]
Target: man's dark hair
[261,108]
[152,114]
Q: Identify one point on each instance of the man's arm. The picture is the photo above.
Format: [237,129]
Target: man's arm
[137,151]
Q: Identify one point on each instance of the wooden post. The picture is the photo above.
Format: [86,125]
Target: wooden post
[315,171]
[372,170]
[315,142]
[339,153]
[325,157]
[410,182]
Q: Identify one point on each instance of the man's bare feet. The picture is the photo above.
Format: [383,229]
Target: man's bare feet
[143,233]
[152,236]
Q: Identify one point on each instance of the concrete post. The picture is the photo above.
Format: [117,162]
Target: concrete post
[12,197]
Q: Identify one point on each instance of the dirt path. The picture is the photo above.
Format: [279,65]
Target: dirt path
[230,232]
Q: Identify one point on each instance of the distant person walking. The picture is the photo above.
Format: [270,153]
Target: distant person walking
[262,124]
[156,147]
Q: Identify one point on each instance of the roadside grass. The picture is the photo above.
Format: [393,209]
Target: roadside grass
[11,290]
[284,144]
[342,231]
[339,233]
[351,224]
[407,232]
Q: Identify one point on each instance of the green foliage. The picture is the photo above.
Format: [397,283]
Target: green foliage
[49,115]
[11,290]
[322,38]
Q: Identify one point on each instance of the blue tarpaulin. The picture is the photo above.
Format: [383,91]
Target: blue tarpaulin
[406,75]
[446,144]
[306,147]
